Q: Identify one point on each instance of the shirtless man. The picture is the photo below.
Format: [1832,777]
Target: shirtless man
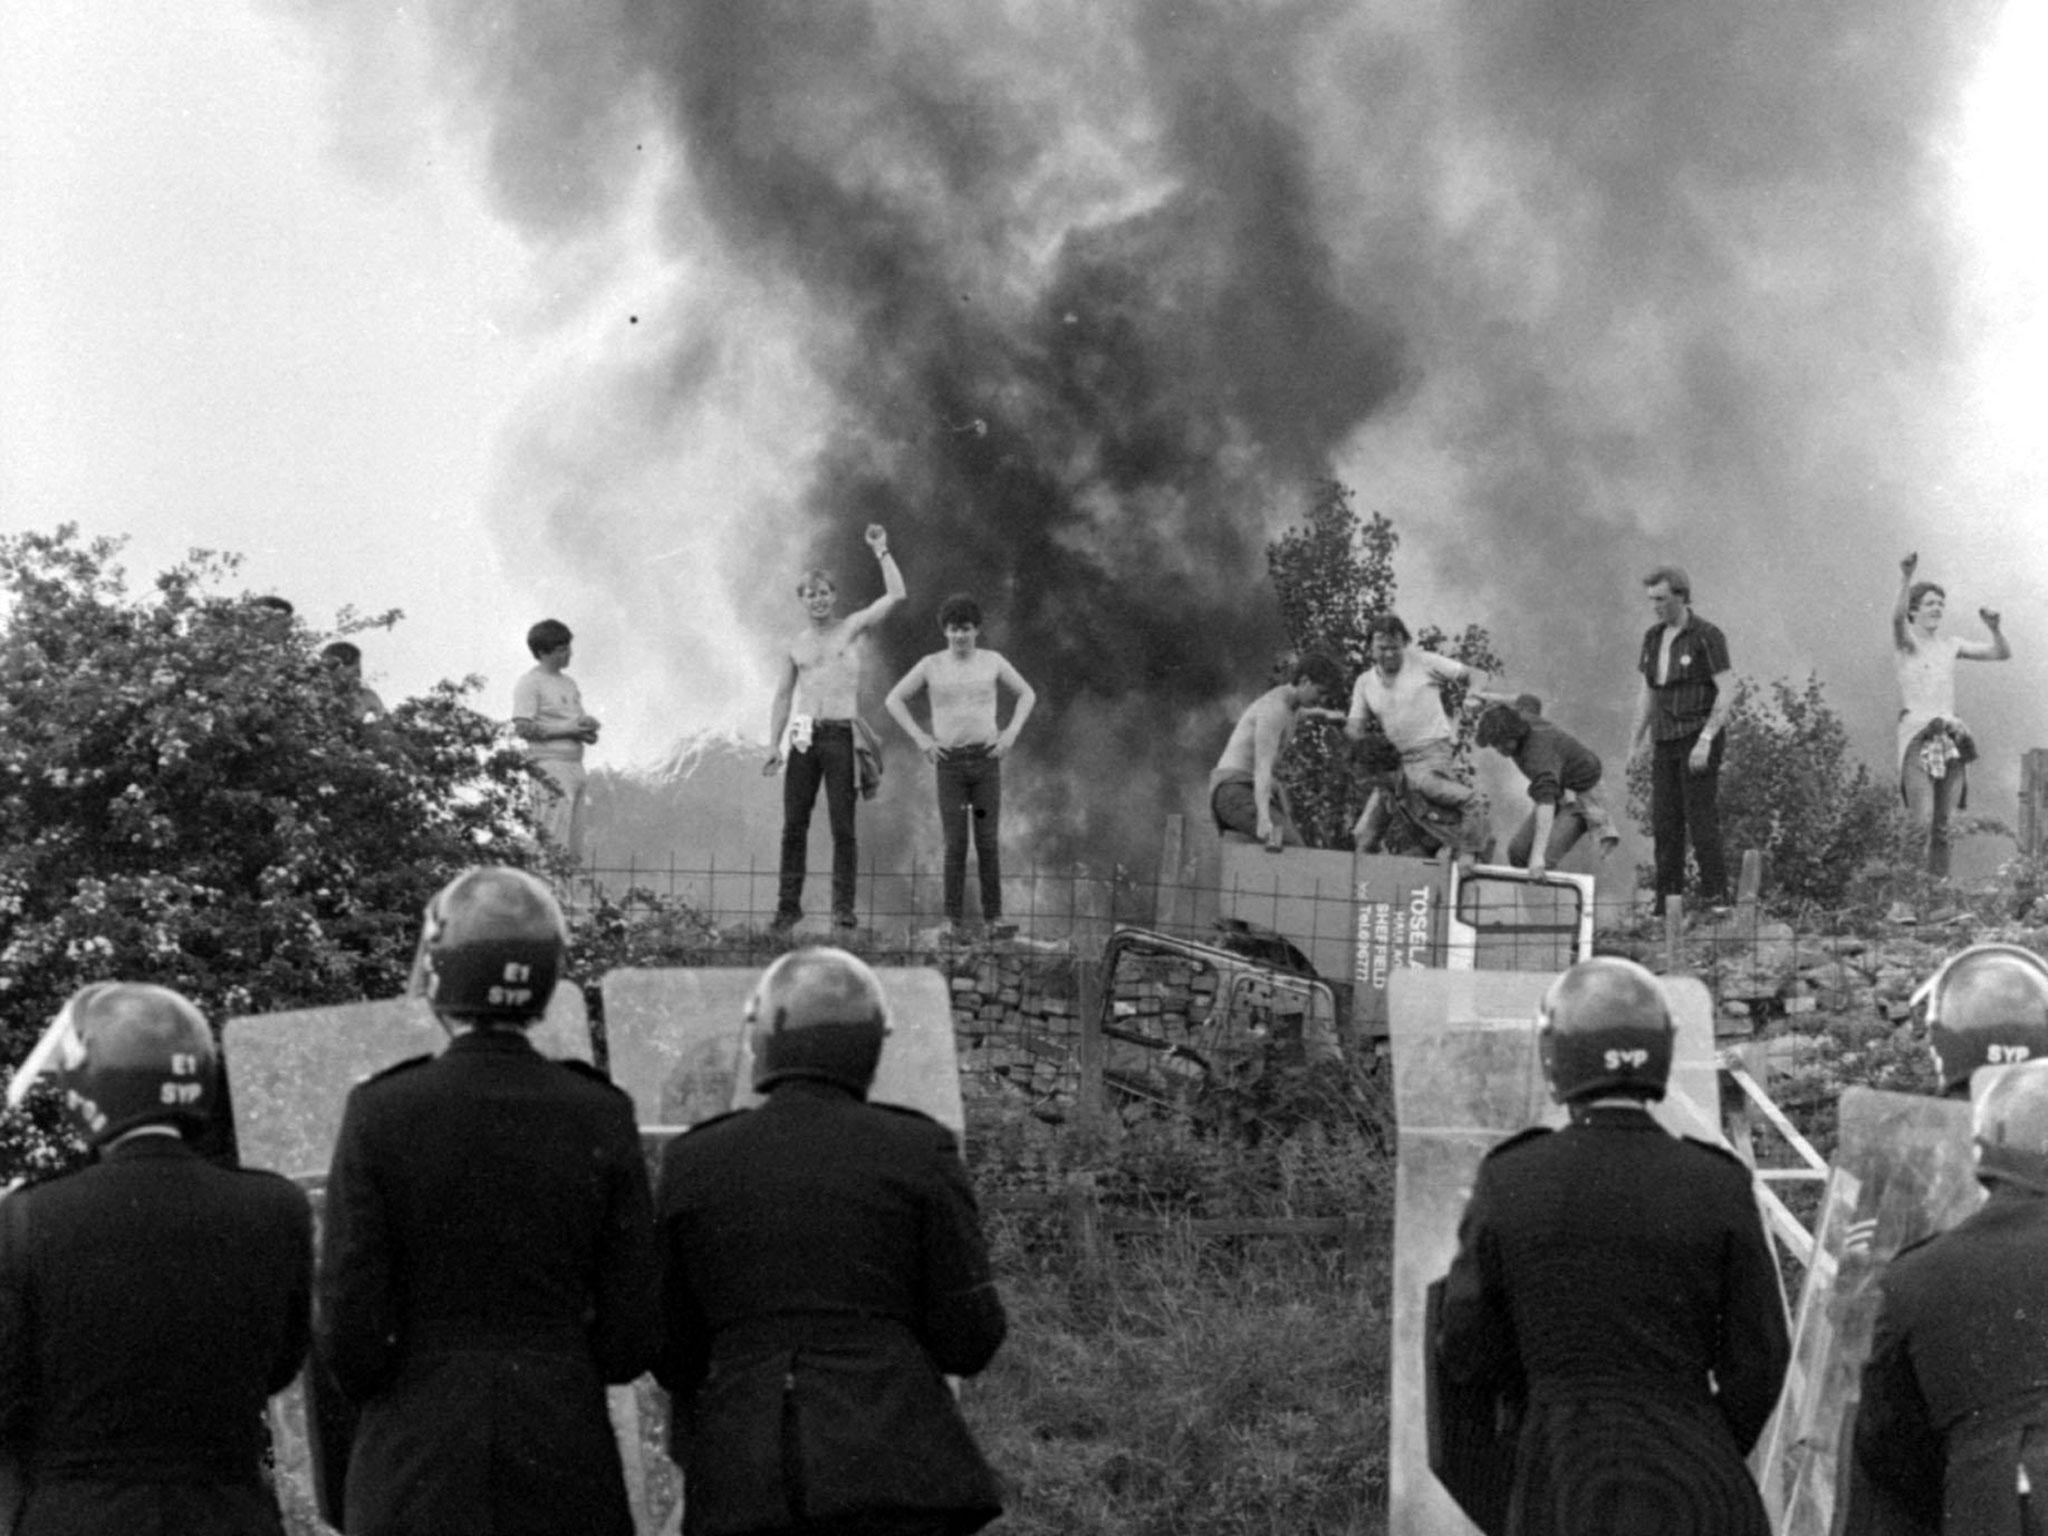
[1244,795]
[812,725]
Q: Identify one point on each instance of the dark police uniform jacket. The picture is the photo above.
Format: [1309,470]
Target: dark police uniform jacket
[1954,1401]
[1624,1274]
[487,1267]
[150,1303]
[823,1269]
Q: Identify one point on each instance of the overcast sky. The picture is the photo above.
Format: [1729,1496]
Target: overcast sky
[233,317]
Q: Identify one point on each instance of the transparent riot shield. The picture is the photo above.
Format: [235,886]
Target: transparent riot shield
[290,1075]
[1466,1077]
[677,1040]
[1903,1170]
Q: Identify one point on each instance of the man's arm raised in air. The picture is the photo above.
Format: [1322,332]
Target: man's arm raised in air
[893,590]
[778,715]
[1998,648]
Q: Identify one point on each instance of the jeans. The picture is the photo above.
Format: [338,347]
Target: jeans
[1683,805]
[970,787]
[828,761]
[1929,802]
[1566,828]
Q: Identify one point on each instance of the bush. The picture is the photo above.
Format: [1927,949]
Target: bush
[188,796]
[1790,788]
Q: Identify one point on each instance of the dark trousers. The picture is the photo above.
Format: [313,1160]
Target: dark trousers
[828,761]
[970,785]
[1683,805]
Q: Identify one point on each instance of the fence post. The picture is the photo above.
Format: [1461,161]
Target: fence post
[2033,801]
[1674,932]
[1088,985]
[1084,1224]
[1169,889]
[1749,886]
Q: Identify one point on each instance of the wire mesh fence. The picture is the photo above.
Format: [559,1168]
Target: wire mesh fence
[1758,966]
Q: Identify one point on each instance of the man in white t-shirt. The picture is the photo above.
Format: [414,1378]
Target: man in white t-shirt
[966,747]
[1403,690]
[1934,748]
[547,714]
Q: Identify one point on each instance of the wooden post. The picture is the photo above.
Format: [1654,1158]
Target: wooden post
[1749,890]
[2034,802]
[1674,932]
[1084,1224]
[1088,989]
[1170,894]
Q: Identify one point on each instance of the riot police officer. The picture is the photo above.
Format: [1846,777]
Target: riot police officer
[150,1301]
[1985,1006]
[823,1270]
[1953,1418]
[1615,1279]
[488,1264]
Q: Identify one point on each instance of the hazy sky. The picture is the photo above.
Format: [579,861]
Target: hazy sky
[243,307]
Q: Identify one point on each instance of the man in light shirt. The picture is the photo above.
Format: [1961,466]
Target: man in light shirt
[1403,692]
[966,748]
[547,714]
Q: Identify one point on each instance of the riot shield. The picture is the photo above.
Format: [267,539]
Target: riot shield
[292,1071]
[291,1074]
[1903,1170]
[1466,1077]
[677,1039]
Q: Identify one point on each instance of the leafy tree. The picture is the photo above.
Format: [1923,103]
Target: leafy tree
[1790,788]
[1333,574]
[188,796]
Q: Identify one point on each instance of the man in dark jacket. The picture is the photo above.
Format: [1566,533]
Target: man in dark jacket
[1618,1278]
[823,1271]
[1953,1417]
[489,1262]
[1564,785]
[151,1301]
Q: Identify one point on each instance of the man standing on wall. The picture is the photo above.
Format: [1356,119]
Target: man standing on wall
[815,726]
[1688,687]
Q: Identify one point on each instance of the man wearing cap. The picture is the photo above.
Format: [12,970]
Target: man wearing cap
[151,1301]
[1615,1280]
[823,1272]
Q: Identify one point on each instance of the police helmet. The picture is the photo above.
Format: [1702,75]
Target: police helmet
[2010,1126]
[818,1013]
[491,947]
[1986,1006]
[126,1054]
[1604,1027]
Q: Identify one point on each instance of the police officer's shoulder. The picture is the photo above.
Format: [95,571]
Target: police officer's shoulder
[1521,1138]
[584,1069]
[716,1120]
[925,1125]
[1719,1152]
[410,1063]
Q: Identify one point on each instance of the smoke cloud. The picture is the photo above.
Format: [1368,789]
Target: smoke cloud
[1078,300]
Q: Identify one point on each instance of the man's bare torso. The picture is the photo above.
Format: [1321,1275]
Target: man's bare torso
[828,670]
